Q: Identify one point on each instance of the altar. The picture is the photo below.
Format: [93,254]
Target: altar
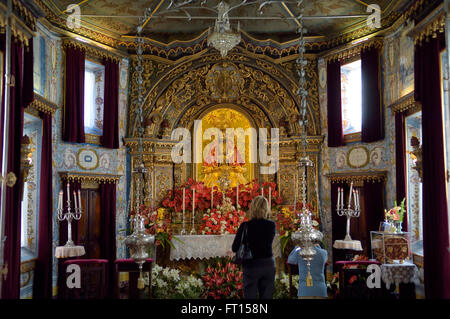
[209,246]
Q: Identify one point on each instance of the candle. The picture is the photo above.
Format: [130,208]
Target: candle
[184,196]
[270,198]
[75,200]
[262,191]
[339,199]
[354,199]
[342,197]
[212,197]
[295,195]
[68,194]
[357,201]
[60,199]
[237,196]
[350,195]
[79,199]
[193,205]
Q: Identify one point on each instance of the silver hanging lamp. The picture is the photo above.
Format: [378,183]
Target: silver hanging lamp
[307,235]
[139,242]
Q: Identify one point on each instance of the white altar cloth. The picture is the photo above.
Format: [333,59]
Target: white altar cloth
[209,246]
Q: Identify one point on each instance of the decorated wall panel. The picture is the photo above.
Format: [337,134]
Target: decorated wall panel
[72,157]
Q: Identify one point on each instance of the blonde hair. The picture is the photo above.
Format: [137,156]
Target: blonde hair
[259,208]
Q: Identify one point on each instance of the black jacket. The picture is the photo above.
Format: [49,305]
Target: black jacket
[261,233]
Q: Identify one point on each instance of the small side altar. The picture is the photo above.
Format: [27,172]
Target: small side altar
[208,246]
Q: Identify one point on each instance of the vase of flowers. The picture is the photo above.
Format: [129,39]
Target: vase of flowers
[395,216]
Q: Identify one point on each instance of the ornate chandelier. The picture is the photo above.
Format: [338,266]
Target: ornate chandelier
[307,235]
[223,38]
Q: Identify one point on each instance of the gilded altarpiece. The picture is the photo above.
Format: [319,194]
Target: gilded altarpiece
[258,87]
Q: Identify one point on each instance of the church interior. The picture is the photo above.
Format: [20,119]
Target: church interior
[135,135]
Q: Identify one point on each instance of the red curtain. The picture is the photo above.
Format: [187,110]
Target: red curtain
[400,162]
[42,286]
[435,213]
[110,138]
[372,212]
[372,111]
[73,128]
[334,107]
[11,286]
[74,186]
[108,235]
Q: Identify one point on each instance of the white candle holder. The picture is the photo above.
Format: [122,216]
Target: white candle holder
[183,230]
[69,215]
[349,212]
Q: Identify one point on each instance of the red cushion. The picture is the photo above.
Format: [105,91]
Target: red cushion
[86,261]
[130,261]
[356,262]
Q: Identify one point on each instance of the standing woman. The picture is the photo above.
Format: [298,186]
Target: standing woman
[259,272]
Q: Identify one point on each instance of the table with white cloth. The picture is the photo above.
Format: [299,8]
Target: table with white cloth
[399,273]
[209,246]
[69,251]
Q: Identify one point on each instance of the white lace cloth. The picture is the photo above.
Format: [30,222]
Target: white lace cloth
[208,246]
[65,252]
[399,273]
[348,244]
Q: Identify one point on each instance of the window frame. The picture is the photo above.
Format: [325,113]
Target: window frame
[351,137]
[91,138]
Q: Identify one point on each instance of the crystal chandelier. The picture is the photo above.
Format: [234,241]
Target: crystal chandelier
[139,241]
[307,235]
[223,38]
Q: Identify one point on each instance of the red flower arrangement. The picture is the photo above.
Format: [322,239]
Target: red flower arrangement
[174,198]
[216,222]
[223,280]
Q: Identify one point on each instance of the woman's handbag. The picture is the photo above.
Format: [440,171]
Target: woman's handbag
[243,254]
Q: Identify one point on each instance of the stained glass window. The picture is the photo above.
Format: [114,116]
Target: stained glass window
[351,96]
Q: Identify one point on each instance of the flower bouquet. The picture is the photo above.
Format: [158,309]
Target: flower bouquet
[395,216]
[223,279]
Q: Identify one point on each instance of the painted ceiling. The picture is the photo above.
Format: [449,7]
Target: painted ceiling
[120,17]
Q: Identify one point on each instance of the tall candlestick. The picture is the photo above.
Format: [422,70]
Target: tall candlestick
[270,198]
[193,210]
[184,196]
[68,196]
[60,200]
[183,231]
[75,200]
[79,199]
[295,195]
[350,195]
[357,199]
[237,196]
[339,198]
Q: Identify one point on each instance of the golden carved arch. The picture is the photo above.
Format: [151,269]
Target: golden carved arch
[266,89]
